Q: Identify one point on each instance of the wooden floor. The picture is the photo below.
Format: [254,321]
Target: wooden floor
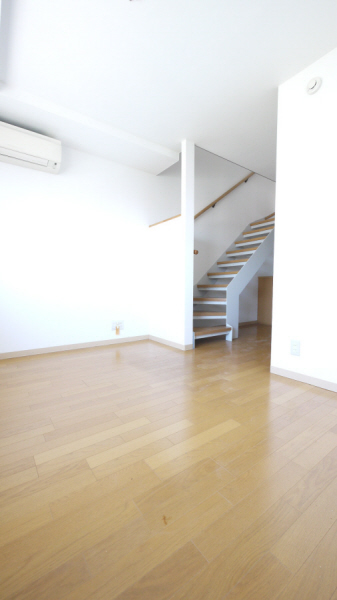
[140,472]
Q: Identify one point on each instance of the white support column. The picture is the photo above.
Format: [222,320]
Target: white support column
[187,214]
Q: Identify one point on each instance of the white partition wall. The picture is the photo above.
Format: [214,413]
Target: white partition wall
[171,267]
[304,304]
[166,297]
[187,215]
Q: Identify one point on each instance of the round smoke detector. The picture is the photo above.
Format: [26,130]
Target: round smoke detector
[314,85]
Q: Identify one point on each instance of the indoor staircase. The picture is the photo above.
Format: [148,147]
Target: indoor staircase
[217,295]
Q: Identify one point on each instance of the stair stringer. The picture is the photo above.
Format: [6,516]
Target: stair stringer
[241,280]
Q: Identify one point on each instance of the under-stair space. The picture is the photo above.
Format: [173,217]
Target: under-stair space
[216,296]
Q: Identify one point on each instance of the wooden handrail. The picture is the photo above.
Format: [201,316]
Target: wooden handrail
[164,221]
[212,204]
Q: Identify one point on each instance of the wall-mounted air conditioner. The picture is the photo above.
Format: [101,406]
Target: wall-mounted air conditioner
[28,149]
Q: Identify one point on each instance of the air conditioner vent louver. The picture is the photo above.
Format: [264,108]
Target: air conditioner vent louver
[28,149]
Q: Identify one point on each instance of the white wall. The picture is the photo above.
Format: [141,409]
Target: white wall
[248,301]
[167,282]
[168,202]
[187,217]
[74,251]
[213,176]
[304,304]
[171,266]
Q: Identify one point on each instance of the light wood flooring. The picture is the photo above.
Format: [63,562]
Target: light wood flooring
[140,472]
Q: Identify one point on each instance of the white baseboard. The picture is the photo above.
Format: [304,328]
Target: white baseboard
[153,338]
[321,383]
[67,347]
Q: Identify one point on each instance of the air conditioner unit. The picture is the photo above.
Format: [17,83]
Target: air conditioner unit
[28,149]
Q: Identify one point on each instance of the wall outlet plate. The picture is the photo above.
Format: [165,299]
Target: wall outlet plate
[295,347]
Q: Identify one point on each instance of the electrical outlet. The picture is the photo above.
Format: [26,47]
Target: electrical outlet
[115,324]
[295,347]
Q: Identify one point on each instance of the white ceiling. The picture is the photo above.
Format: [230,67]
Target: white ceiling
[129,79]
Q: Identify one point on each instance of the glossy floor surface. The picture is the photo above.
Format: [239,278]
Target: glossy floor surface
[140,472]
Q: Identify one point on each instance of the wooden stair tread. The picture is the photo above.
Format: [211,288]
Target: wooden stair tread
[254,231]
[251,241]
[210,330]
[242,251]
[263,222]
[231,262]
[206,299]
[209,314]
[212,285]
[222,273]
